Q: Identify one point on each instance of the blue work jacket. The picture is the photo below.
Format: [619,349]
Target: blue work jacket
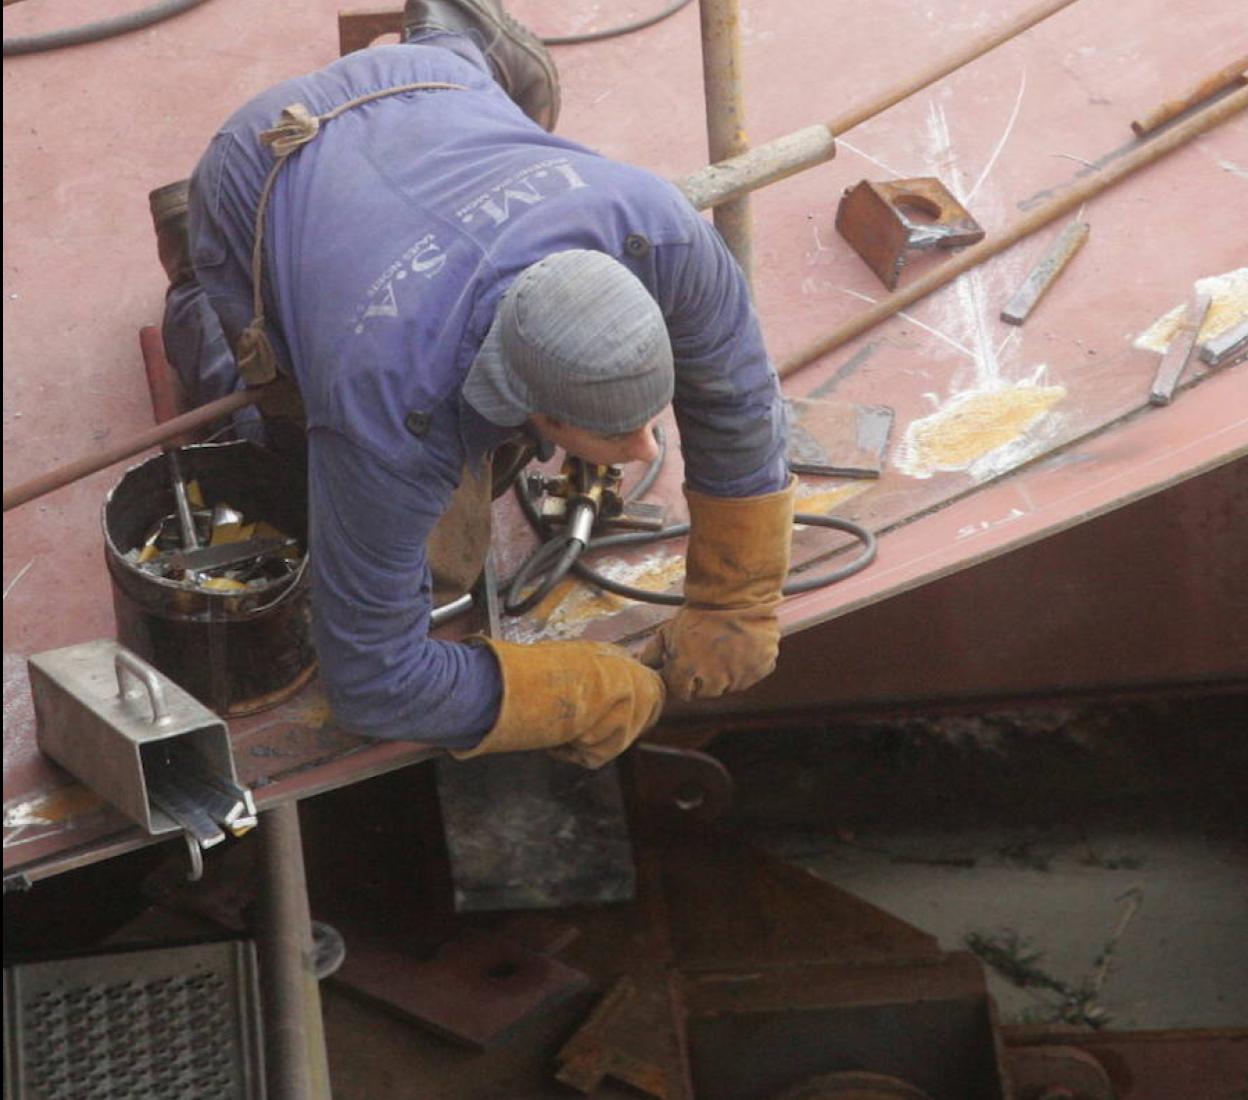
[389,240]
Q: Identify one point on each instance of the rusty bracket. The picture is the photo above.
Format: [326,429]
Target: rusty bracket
[682,783]
[1057,1072]
[884,222]
[624,1038]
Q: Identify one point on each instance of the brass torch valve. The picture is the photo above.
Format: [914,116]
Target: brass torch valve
[586,494]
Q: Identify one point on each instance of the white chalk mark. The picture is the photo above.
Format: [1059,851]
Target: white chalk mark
[973,296]
[915,321]
[13,835]
[969,292]
[13,583]
[942,150]
[843,144]
[1006,342]
[988,524]
[1077,160]
[1009,128]
[1225,165]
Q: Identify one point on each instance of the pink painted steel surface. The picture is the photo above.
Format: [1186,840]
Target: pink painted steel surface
[90,130]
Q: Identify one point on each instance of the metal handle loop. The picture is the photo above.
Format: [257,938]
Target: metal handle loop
[127,662]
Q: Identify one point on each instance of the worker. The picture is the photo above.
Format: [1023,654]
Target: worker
[439,276]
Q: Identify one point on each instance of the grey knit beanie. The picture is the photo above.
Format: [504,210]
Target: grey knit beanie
[576,337]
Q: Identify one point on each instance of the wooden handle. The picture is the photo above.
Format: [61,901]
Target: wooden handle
[152,437]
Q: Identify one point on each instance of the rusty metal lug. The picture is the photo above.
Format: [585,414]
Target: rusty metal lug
[627,1037]
[884,222]
[682,783]
[1057,1073]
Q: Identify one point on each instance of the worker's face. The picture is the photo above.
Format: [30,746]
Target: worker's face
[606,450]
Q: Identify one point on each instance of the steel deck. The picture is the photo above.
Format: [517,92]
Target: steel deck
[1004,435]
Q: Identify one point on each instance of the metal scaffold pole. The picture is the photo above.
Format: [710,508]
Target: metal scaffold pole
[725,117]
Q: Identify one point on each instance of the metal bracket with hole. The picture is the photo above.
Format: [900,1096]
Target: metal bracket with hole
[682,784]
[884,222]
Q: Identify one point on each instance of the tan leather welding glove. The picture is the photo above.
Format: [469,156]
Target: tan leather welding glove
[726,636]
[584,701]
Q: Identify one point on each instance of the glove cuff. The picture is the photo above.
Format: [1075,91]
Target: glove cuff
[738,552]
[555,693]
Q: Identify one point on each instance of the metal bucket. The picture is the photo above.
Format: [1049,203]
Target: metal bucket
[236,652]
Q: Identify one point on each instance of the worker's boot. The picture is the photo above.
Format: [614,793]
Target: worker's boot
[173,243]
[522,65]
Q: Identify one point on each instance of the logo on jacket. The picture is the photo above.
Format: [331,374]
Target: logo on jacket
[425,258]
[526,187]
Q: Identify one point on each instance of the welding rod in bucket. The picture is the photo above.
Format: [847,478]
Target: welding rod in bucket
[206,558]
[186,521]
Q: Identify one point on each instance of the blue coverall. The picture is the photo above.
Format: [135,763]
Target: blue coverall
[390,239]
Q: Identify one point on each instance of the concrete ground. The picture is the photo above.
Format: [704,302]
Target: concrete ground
[1096,858]
[1133,929]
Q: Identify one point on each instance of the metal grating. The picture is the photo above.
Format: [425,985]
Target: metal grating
[161,1024]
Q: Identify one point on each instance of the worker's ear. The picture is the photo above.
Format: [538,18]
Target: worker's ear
[544,447]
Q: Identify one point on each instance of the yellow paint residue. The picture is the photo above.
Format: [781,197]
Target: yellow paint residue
[1228,305]
[1158,335]
[222,584]
[973,425]
[54,807]
[821,502]
[573,602]
[232,532]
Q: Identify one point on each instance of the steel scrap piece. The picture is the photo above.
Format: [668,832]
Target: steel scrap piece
[884,222]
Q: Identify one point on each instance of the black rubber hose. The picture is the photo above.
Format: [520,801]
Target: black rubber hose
[615,32]
[513,602]
[565,549]
[94,32]
[123,24]
[668,599]
[577,566]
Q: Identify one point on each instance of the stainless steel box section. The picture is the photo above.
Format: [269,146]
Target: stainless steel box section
[104,714]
